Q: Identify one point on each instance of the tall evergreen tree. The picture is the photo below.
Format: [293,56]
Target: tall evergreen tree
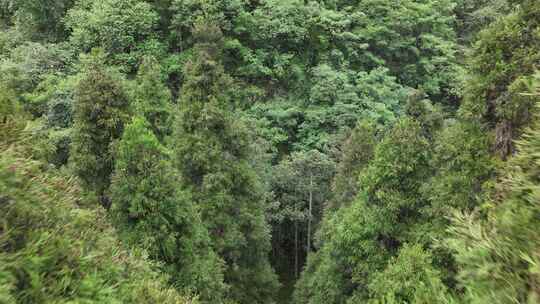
[153,98]
[152,211]
[100,110]
[211,146]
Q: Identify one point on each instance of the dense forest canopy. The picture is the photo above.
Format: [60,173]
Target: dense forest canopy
[270,151]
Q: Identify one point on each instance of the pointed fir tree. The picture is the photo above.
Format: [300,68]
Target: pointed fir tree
[211,146]
[151,211]
[100,110]
[153,98]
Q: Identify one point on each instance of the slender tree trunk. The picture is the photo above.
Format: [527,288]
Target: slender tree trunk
[296,248]
[310,213]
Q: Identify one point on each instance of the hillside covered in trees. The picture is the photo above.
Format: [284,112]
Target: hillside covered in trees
[270,151]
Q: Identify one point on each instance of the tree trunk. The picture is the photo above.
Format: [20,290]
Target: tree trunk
[310,211]
[296,248]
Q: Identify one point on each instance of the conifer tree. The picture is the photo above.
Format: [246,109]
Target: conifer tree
[211,146]
[153,212]
[100,110]
[153,98]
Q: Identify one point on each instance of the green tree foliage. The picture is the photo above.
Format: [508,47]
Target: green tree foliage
[326,66]
[387,213]
[101,105]
[473,15]
[38,20]
[277,122]
[462,174]
[12,118]
[336,103]
[187,13]
[354,156]
[430,116]
[153,98]
[418,175]
[463,169]
[211,153]
[409,278]
[124,29]
[54,95]
[54,250]
[151,211]
[26,66]
[53,99]
[301,176]
[6,14]
[8,101]
[503,60]
[301,187]
[498,254]
[393,179]
[412,39]
[333,125]
[337,100]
